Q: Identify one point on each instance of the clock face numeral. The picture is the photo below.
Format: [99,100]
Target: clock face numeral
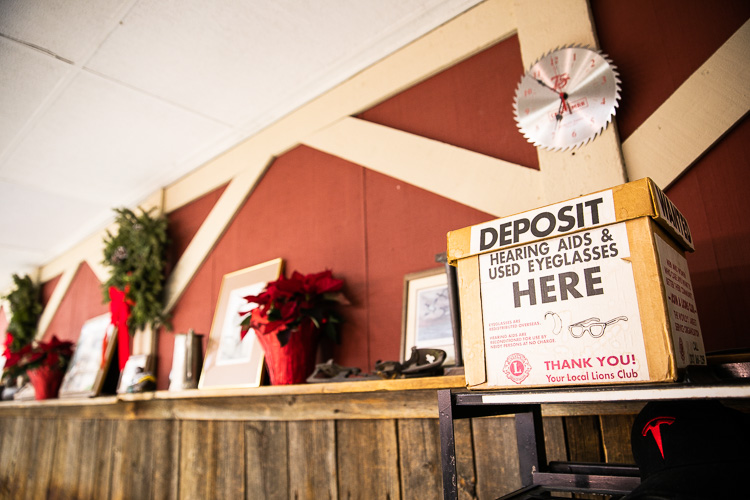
[566,98]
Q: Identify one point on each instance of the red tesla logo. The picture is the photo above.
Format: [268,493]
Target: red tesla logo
[654,426]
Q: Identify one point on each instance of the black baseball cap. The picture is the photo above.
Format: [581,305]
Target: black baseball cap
[690,450]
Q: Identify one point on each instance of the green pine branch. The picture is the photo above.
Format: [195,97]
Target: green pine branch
[136,256]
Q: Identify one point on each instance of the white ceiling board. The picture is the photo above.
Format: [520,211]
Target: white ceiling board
[26,78]
[240,60]
[54,218]
[18,261]
[70,29]
[107,143]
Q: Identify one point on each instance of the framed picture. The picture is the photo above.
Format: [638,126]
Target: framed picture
[90,362]
[134,367]
[231,361]
[426,314]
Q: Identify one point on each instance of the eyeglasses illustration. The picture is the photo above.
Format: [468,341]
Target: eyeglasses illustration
[592,325]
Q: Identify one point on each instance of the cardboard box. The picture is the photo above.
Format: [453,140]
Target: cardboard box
[590,290]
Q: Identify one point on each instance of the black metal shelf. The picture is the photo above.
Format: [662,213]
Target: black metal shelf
[537,474]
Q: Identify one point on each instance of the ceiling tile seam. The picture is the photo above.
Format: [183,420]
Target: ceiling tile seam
[37,48]
[64,82]
[44,104]
[156,97]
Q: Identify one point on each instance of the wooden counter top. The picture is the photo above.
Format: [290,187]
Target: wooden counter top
[371,399]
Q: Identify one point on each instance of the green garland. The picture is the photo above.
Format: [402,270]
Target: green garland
[137,258]
[25,309]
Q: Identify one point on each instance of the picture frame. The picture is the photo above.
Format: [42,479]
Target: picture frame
[426,316]
[229,361]
[130,372]
[90,363]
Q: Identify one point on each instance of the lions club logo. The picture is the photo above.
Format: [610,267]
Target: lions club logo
[517,367]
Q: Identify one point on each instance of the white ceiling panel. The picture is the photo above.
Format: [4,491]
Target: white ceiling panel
[233,61]
[27,78]
[18,261]
[70,29]
[103,142]
[55,218]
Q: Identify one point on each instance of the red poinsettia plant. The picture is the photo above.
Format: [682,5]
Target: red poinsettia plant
[54,354]
[286,303]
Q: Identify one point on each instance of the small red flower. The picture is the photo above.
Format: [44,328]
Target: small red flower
[286,302]
[51,353]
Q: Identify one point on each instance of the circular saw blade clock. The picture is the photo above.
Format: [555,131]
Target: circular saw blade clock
[567,98]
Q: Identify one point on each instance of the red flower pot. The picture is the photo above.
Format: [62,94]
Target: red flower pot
[294,362]
[46,381]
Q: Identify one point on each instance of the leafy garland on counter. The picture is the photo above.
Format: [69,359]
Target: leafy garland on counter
[137,258]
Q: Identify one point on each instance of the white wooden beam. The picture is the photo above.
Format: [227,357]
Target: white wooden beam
[476,180]
[700,111]
[211,230]
[55,300]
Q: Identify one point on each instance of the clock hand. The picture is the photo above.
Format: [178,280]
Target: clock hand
[559,115]
[564,102]
[541,82]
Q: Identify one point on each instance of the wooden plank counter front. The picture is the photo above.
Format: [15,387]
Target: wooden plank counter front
[370,439]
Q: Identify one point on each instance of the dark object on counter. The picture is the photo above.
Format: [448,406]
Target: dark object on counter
[143,381]
[421,363]
[7,392]
[690,450]
[331,372]
[455,309]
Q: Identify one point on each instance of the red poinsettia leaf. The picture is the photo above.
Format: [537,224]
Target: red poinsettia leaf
[276,325]
[298,276]
[289,310]
[287,287]
[34,356]
[52,359]
[260,299]
[25,349]
[12,359]
[328,284]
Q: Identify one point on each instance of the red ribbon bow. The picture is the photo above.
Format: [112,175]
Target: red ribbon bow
[119,308]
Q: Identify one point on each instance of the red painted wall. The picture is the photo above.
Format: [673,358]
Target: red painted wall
[657,44]
[469,105]
[317,211]
[82,302]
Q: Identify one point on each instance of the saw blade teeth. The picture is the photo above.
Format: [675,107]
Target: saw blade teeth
[536,132]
